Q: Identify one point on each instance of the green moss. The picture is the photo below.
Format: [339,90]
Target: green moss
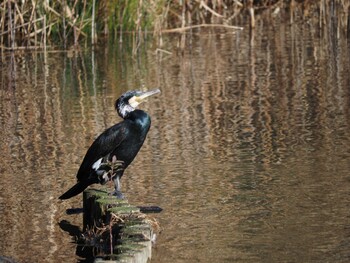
[111,201]
[98,193]
[124,209]
[136,230]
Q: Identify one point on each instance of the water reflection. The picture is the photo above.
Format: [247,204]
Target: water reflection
[248,153]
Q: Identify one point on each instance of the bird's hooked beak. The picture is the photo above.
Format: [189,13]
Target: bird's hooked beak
[137,99]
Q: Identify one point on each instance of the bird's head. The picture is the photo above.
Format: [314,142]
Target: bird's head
[130,100]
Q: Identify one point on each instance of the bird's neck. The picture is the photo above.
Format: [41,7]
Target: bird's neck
[125,110]
[141,118]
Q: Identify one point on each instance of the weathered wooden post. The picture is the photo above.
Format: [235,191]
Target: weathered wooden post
[128,232]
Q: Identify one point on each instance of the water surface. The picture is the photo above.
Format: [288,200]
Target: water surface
[248,153]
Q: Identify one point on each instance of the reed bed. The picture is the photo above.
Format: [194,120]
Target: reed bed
[33,24]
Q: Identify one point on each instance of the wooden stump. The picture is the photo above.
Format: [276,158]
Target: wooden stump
[128,232]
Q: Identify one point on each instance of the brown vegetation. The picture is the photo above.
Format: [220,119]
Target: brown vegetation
[39,24]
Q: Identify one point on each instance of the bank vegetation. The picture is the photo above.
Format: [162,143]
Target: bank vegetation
[33,24]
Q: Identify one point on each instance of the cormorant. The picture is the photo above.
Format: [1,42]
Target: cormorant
[112,152]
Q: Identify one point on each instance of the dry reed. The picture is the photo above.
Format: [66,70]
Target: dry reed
[32,24]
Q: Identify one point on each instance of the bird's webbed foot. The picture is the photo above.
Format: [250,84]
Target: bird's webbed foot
[117,186]
[117,194]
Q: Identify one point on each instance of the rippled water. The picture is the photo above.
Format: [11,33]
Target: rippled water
[248,153]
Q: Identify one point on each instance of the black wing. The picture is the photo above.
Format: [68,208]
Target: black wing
[106,143]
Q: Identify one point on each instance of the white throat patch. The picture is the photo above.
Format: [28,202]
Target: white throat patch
[125,110]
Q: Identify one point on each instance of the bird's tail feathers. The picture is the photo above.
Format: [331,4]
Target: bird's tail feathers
[75,190]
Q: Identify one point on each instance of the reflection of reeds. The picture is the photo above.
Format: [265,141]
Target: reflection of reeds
[36,24]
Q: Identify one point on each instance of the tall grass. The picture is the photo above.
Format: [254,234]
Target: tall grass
[43,23]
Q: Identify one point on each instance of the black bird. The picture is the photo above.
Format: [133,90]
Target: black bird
[112,152]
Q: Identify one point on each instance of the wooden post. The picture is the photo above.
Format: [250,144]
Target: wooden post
[131,233]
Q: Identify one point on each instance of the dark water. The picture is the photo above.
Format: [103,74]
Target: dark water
[248,154]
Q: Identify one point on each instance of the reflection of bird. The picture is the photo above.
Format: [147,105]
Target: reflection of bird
[112,152]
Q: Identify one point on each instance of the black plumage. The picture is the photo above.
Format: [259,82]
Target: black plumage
[112,152]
